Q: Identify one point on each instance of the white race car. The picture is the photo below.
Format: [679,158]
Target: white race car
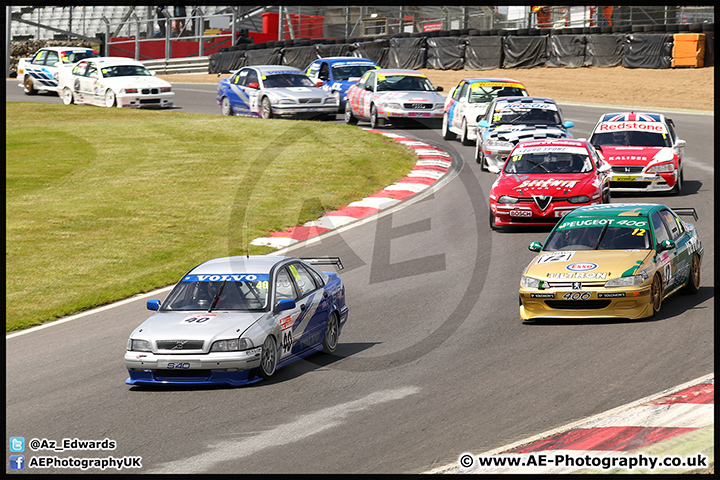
[645,152]
[468,101]
[40,72]
[114,82]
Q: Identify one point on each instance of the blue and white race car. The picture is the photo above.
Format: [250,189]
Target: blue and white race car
[274,90]
[40,72]
[336,74]
[236,320]
[510,120]
[468,101]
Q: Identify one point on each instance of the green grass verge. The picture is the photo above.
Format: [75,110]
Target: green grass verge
[103,204]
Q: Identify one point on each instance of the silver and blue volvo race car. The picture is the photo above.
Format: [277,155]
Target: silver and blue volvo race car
[274,90]
[236,320]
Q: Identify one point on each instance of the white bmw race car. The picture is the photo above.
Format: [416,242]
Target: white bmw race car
[114,82]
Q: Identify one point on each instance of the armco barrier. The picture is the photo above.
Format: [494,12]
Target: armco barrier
[178,65]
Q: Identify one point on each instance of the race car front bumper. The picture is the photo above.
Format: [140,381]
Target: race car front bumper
[495,158]
[233,368]
[524,213]
[133,100]
[390,113]
[594,302]
[282,110]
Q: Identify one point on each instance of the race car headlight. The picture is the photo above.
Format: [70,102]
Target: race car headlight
[579,199]
[632,281]
[440,105]
[507,200]
[529,282]
[663,167]
[499,144]
[232,345]
[287,100]
[332,100]
[138,345]
[165,89]
[393,106]
[131,90]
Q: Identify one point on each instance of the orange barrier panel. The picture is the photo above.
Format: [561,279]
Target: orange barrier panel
[688,50]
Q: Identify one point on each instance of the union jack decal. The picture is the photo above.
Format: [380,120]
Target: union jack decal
[631,117]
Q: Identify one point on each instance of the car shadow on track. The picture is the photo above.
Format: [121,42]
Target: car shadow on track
[671,307]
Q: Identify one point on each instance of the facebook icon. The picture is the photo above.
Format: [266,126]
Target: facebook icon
[17,462]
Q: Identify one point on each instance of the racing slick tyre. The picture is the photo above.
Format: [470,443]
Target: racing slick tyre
[693,284]
[67,96]
[607,196]
[480,158]
[446,133]
[110,99]
[266,108]
[350,119]
[226,107]
[494,226]
[464,135]
[656,294]
[268,358]
[29,88]
[332,332]
[678,184]
[374,120]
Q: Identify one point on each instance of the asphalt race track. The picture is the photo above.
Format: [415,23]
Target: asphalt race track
[434,360]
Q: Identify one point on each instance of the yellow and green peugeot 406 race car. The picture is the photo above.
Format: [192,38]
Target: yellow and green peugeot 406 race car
[612,261]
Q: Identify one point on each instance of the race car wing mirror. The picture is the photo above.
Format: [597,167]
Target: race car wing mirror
[665,245]
[439,88]
[254,85]
[284,304]
[535,246]
[568,124]
[153,305]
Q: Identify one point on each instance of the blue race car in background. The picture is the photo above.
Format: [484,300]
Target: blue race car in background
[336,74]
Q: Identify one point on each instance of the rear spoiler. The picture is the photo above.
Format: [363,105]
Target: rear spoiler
[686,211]
[324,261]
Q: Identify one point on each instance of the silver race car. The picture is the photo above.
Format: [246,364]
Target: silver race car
[393,95]
[236,320]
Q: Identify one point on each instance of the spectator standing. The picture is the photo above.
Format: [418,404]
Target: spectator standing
[180,15]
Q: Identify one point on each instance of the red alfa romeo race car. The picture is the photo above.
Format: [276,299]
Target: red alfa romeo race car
[543,180]
[643,149]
